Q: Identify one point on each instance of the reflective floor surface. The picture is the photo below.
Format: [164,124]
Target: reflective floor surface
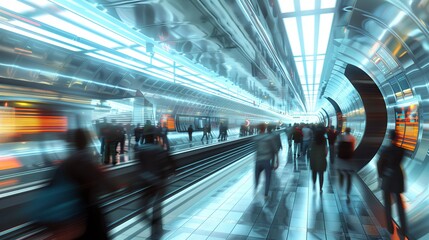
[293,210]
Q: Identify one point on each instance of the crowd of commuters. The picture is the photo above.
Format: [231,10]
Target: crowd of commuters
[310,143]
[317,142]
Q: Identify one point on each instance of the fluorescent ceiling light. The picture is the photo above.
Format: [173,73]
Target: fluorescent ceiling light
[75,30]
[319,67]
[195,79]
[180,72]
[162,58]
[141,49]
[168,75]
[134,54]
[37,37]
[16,6]
[308,31]
[310,71]
[50,35]
[324,32]
[110,60]
[286,6]
[328,4]
[159,64]
[96,28]
[293,36]
[307,5]
[121,59]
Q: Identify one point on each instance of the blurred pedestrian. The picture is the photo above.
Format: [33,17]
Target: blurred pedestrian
[156,166]
[190,131]
[149,133]
[278,146]
[224,131]
[81,170]
[138,134]
[289,131]
[332,137]
[307,136]
[297,141]
[205,132]
[346,147]
[265,152]
[318,152]
[164,138]
[392,181]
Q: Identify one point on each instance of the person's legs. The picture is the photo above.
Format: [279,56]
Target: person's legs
[295,147]
[156,230]
[305,146]
[349,183]
[258,170]
[321,179]
[401,213]
[314,176]
[388,211]
[267,168]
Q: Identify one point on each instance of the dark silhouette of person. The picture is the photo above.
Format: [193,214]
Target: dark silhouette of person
[164,133]
[220,131]
[205,133]
[138,134]
[223,131]
[190,131]
[103,131]
[278,145]
[390,171]
[156,166]
[318,153]
[120,137]
[332,138]
[297,140]
[265,152]
[149,132]
[209,131]
[110,142]
[346,144]
[289,131]
[80,168]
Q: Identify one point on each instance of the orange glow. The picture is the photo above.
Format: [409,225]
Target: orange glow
[407,126]
[19,121]
[167,118]
[9,163]
[8,183]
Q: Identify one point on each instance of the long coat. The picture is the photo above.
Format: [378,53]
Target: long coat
[318,154]
[389,169]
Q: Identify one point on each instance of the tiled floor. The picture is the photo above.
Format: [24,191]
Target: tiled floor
[294,210]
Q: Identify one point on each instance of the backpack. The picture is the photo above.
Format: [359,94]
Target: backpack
[345,150]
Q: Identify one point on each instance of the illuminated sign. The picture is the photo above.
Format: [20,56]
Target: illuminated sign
[407,126]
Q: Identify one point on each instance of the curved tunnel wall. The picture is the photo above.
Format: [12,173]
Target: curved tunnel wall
[389,40]
[375,112]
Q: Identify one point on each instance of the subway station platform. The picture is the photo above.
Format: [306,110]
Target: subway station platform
[229,208]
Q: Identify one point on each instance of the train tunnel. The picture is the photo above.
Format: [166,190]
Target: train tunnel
[227,66]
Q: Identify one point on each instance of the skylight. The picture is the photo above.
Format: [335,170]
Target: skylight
[308,25]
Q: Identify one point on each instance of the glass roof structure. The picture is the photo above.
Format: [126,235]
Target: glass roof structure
[79,26]
[308,26]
